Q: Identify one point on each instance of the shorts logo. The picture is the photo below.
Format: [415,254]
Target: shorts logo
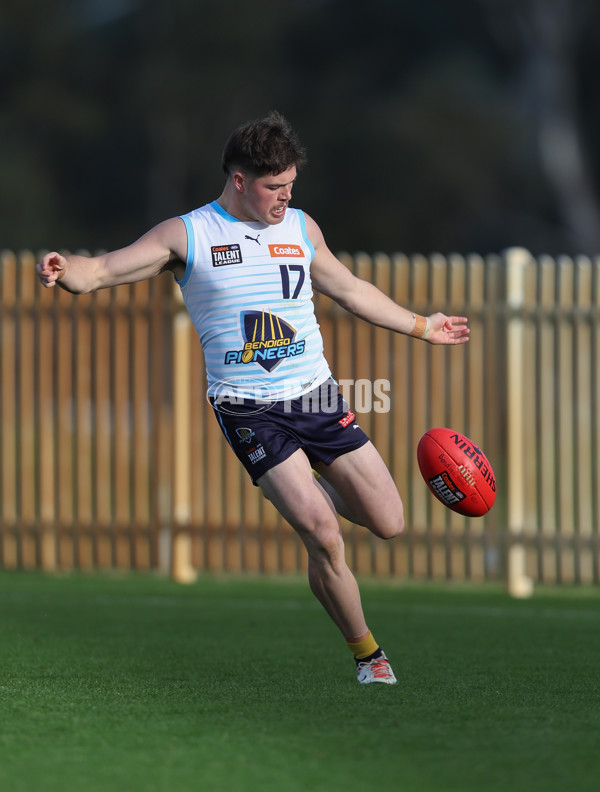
[286,251]
[347,419]
[245,434]
[446,489]
[225,254]
[268,339]
[257,454]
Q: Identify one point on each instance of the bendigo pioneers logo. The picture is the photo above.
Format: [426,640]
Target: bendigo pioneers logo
[268,339]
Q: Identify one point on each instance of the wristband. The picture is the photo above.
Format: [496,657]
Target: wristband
[421,326]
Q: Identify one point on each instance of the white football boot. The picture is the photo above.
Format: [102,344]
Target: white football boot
[376,670]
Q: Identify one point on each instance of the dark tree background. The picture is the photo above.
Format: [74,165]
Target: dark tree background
[438,125]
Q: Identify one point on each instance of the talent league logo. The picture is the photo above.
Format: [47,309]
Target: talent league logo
[268,339]
[446,489]
[225,254]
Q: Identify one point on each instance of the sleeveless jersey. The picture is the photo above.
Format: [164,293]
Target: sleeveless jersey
[248,292]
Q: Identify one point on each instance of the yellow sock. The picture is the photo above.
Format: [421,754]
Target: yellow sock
[364,647]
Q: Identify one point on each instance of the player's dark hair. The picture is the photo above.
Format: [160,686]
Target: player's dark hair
[266,146]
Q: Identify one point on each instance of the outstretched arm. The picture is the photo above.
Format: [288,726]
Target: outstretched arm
[163,247]
[365,300]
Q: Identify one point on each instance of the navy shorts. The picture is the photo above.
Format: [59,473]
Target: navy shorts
[263,434]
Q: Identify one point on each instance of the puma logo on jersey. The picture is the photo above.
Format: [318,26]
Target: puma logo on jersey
[247,236]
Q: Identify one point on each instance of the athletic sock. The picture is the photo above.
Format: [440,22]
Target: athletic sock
[366,648]
[370,657]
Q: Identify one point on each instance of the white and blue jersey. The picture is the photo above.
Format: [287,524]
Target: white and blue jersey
[248,292]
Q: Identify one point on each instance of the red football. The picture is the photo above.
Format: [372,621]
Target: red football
[457,472]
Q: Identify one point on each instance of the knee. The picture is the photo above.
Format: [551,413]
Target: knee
[389,525]
[326,544]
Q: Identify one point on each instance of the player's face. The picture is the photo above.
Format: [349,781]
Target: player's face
[266,198]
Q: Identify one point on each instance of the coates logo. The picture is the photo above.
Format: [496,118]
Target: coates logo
[286,251]
[347,419]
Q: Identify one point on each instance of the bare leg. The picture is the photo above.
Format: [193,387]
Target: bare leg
[362,490]
[339,504]
[306,506]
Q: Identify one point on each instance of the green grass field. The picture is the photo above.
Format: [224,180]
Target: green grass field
[137,683]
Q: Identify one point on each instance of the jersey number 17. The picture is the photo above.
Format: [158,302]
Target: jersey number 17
[285,270]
